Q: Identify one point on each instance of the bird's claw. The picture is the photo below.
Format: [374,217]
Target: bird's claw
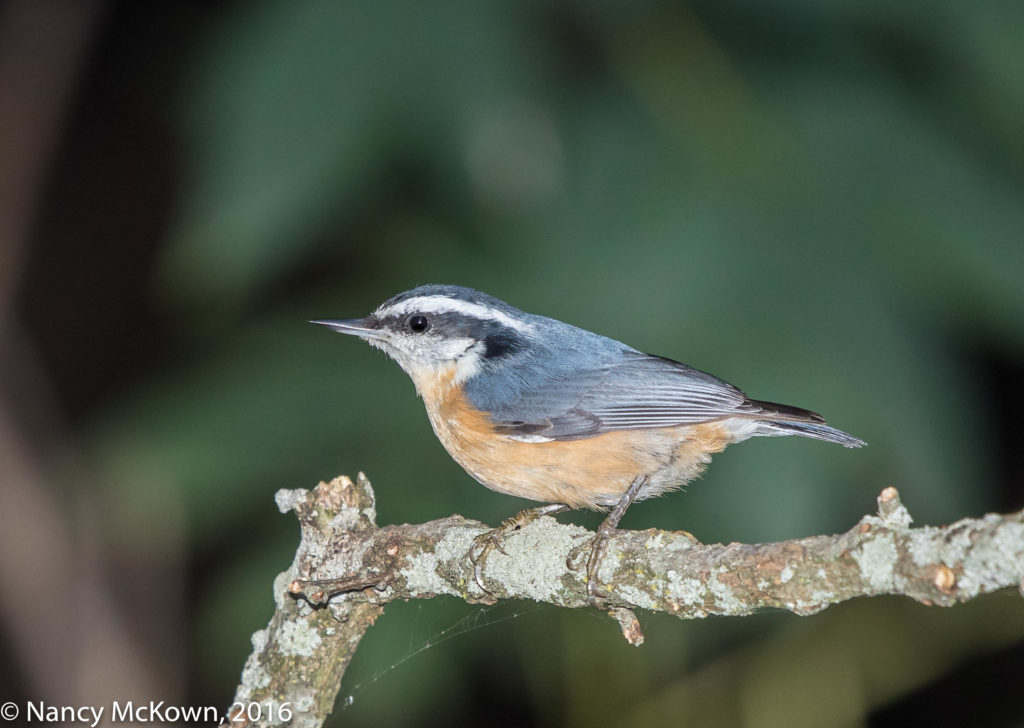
[599,540]
[596,546]
[478,553]
[488,541]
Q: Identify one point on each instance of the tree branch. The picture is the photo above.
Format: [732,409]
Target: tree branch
[346,569]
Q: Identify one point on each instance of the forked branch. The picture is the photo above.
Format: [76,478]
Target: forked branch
[346,569]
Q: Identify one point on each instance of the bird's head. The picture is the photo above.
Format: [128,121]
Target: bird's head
[439,330]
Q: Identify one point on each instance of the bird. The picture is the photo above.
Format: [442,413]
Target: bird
[540,409]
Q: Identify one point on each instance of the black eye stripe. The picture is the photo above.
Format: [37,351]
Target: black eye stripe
[498,341]
[501,344]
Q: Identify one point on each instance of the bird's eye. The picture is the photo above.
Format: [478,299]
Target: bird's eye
[419,324]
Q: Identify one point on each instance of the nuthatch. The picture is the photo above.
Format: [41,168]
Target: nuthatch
[543,410]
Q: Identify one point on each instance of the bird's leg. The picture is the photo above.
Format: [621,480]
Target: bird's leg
[486,542]
[600,539]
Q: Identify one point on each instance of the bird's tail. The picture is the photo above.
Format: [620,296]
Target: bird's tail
[809,429]
[782,419]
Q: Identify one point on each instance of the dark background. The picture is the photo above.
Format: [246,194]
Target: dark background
[819,203]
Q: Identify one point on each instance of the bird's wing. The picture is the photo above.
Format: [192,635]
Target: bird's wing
[639,392]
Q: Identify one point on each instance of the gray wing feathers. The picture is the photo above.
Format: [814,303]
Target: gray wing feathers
[640,392]
[561,398]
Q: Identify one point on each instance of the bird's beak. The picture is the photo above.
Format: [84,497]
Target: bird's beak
[355,327]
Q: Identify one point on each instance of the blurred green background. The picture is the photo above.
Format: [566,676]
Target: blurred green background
[821,203]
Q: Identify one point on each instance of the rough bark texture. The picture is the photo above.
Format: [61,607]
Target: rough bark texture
[346,569]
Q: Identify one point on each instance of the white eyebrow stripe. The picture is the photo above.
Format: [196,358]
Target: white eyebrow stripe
[443,304]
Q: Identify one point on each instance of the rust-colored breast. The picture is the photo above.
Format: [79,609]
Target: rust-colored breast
[586,473]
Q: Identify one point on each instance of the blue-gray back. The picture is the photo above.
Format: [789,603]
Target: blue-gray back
[569,383]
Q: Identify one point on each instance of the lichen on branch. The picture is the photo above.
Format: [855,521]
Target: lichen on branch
[346,568]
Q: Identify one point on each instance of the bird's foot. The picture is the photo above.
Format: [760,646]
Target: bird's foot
[597,543]
[490,540]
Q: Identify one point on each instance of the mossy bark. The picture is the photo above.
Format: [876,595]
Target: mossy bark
[346,569]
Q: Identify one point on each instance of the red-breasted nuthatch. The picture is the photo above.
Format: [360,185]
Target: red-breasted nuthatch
[537,408]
